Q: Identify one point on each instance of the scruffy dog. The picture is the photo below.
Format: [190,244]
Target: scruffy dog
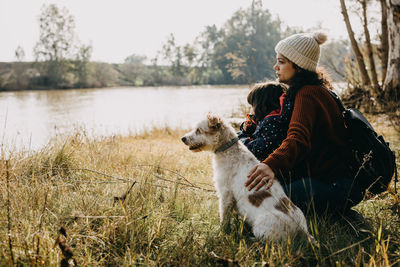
[269,212]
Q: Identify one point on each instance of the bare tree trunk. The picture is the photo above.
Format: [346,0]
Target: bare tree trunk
[391,85]
[384,40]
[359,57]
[370,53]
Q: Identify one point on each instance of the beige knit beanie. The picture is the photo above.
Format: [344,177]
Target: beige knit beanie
[302,49]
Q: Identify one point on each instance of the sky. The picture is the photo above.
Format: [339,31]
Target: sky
[119,28]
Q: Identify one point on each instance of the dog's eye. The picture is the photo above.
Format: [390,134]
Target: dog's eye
[198,131]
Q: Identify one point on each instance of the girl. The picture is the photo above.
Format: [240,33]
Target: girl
[266,126]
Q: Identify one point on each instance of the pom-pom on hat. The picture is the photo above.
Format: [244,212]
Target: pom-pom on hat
[302,49]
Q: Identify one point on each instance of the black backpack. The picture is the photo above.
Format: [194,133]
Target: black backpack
[373,162]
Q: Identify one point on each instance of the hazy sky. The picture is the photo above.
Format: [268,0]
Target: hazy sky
[118,28]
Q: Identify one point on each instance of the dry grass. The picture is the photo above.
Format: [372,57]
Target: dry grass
[170,217]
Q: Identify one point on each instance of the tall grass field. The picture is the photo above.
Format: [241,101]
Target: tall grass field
[147,200]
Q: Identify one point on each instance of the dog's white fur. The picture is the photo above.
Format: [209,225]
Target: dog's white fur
[270,213]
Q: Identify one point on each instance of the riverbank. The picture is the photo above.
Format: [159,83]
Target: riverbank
[169,214]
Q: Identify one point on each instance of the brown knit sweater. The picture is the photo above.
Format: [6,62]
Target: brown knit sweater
[316,138]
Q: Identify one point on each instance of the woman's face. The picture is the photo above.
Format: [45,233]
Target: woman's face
[284,69]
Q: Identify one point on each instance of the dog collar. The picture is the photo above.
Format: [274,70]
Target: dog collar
[227,145]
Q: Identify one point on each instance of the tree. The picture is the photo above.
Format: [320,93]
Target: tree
[384,37]
[369,50]
[19,79]
[391,85]
[135,59]
[189,54]
[246,51]
[206,42]
[81,65]
[173,55]
[358,55]
[206,69]
[388,89]
[19,53]
[57,43]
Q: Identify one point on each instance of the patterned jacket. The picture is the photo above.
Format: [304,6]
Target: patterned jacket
[269,133]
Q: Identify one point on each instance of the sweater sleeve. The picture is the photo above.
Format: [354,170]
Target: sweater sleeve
[298,141]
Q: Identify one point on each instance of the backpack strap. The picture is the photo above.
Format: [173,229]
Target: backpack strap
[336,98]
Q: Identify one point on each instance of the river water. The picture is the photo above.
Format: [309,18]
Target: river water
[29,119]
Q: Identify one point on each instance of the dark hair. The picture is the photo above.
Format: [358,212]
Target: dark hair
[264,98]
[304,77]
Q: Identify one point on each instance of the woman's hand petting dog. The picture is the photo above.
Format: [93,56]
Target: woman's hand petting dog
[260,175]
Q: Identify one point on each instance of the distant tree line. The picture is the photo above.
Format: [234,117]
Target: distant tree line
[239,52]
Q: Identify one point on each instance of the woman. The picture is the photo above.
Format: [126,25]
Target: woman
[315,151]
[266,126]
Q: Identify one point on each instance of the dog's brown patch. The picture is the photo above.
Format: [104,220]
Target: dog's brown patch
[211,130]
[284,205]
[258,197]
[214,122]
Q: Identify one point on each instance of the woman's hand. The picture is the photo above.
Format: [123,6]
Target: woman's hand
[260,175]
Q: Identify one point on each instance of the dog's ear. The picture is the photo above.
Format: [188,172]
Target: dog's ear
[214,122]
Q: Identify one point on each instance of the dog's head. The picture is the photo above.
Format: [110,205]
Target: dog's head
[206,136]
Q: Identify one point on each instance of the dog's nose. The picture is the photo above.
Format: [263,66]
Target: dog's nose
[183,139]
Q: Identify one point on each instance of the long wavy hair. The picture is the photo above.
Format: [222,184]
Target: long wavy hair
[304,77]
[264,98]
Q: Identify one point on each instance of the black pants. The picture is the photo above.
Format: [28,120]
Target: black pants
[311,195]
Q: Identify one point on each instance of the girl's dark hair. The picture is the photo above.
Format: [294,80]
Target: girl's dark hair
[264,98]
[304,77]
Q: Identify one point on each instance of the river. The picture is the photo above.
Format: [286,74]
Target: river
[29,119]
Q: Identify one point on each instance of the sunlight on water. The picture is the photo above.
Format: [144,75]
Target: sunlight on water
[30,119]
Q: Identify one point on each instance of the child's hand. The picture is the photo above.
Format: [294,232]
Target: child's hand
[250,124]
